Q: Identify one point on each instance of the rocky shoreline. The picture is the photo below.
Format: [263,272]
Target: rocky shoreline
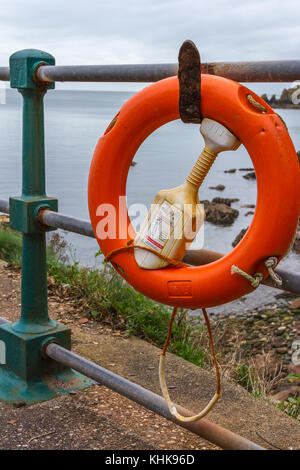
[288,99]
[268,340]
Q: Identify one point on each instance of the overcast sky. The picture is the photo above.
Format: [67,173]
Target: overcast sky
[140,31]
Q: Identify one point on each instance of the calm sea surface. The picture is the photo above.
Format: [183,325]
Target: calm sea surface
[74,121]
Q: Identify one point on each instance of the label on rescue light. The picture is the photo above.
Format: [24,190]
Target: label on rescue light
[162,226]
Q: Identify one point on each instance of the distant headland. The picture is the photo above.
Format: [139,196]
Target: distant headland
[289,99]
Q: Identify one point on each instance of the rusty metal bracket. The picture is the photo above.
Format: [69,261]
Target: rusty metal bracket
[189,76]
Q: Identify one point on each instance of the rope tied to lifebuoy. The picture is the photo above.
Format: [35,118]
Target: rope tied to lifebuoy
[172,408]
[270,264]
[162,380]
[129,245]
[254,280]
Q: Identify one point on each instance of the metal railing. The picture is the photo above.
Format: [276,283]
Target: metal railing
[260,71]
[38,348]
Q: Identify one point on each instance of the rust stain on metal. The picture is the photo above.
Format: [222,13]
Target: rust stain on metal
[208,68]
[189,75]
[39,220]
[40,83]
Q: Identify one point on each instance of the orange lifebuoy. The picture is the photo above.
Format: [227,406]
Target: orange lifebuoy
[267,141]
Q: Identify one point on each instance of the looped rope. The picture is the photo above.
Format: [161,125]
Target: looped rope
[129,246]
[162,380]
[255,280]
[271,263]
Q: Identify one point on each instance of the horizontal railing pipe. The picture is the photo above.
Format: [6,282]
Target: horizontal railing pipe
[258,71]
[206,429]
[107,73]
[66,222]
[268,71]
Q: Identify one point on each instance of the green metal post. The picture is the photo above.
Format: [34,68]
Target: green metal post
[34,314]
[27,374]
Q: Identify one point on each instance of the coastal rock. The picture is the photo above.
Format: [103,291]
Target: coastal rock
[239,236]
[249,213]
[219,187]
[246,169]
[296,303]
[233,170]
[224,200]
[248,206]
[285,100]
[250,176]
[296,245]
[219,213]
